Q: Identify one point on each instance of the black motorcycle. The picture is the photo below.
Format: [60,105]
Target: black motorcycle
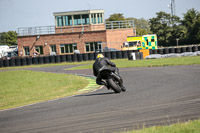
[113,80]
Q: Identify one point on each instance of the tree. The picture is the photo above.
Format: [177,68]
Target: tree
[168,28]
[113,21]
[191,21]
[161,26]
[178,31]
[116,17]
[142,26]
[8,38]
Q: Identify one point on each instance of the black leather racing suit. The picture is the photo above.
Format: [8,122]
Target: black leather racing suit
[104,63]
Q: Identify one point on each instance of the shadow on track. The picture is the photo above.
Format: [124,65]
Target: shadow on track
[97,94]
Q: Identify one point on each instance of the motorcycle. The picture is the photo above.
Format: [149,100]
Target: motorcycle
[113,80]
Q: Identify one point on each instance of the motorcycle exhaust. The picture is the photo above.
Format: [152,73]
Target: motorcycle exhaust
[116,76]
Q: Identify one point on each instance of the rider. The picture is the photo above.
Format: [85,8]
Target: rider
[104,63]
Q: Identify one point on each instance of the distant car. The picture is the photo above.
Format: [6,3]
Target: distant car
[9,55]
[76,52]
[3,50]
[53,53]
[13,48]
[106,49]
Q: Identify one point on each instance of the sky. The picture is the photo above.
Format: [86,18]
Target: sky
[32,13]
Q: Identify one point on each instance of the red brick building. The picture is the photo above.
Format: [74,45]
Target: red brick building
[85,31]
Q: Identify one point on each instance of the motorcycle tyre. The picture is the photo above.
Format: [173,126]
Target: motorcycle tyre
[114,87]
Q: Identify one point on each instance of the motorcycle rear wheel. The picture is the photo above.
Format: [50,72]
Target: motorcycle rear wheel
[114,86]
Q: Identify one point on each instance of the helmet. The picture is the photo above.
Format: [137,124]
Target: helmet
[100,56]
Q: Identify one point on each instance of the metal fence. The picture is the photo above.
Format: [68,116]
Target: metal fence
[39,30]
[119,24]
[36,30]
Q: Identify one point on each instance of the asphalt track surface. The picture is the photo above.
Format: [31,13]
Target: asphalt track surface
[155,96]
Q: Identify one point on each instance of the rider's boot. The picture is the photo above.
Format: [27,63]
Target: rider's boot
[107,85]
[121,84]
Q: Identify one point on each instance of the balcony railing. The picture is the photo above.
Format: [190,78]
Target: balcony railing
[36,30]
[119,24]
[40,30]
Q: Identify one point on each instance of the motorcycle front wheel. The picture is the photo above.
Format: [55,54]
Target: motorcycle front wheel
[114,86]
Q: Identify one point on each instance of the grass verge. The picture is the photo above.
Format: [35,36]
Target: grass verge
[188,127]
[122,63]
[24,87]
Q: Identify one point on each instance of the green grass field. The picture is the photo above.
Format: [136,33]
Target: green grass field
[125,63]
[22,87]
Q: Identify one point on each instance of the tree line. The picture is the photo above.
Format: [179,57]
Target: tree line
[8,38]
[167,28]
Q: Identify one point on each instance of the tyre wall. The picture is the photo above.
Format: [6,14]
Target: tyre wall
[90,56]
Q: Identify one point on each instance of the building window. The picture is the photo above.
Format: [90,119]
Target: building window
[64,21]
[26,51]
[68,48]
[85,19]
[93,17]
[53,49]
[68,20]
[93,46]
[77,19]
[98,18]
[59,20]
[39,49]
[82,19]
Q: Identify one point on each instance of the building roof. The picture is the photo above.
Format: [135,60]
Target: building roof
[78,12]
